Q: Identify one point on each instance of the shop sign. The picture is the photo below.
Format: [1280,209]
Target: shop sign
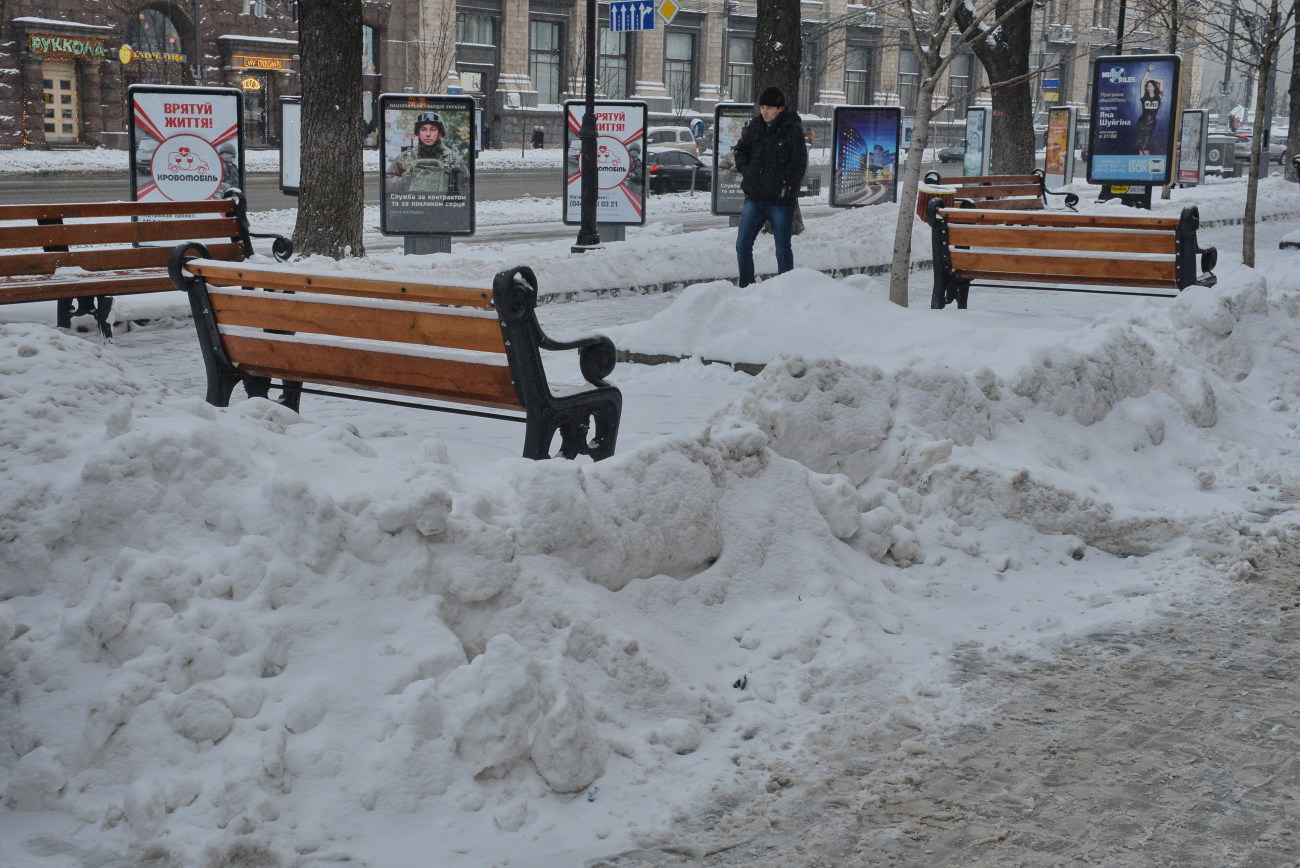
[251,83]
[127,54]
[78,47]
[244,61]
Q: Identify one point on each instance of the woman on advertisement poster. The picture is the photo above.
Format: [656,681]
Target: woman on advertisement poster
[1152,95]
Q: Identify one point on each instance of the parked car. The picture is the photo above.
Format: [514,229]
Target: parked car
[1276,146]
[678,138]
[953,153]
[676,171]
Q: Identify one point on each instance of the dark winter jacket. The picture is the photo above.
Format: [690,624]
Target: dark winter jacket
[772,159]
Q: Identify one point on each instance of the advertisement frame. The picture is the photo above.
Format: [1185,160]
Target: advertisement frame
[142,125]
[608,205]
[1190,173]
[290,144]
[452,216]
[729,202]
[884,119]
[1066,116]
[983,129]
[1114,159]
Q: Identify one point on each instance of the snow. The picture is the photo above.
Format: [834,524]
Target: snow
[380,636]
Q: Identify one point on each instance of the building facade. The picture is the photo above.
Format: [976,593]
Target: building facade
[64,75]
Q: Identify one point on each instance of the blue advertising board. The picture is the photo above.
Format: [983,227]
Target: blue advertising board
[864,155]
[1134,113]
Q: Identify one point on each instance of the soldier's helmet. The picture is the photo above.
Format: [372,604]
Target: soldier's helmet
[430,118]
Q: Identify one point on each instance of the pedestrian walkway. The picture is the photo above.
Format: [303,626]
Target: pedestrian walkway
[1177,745]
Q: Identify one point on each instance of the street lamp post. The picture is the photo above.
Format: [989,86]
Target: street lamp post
[588,234]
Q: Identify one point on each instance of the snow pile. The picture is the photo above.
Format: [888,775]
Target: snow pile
[234,631]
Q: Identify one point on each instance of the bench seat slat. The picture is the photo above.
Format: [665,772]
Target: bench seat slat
[997,191]
[96,210]
[118,232]
[96,284]
[1017,276]
[967,216]
[1008,204]
[1060,269]
[332,365]
[16,265]
[442,328]
[397,290]
[1108,241]
[972,180]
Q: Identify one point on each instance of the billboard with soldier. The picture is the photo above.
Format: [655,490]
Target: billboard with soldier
[729,120]
[426,146]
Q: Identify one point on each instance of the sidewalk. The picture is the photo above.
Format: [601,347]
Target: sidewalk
[1174,745]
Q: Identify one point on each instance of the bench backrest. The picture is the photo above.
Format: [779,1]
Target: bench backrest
[1051,246]
[108,236]
[1016,192]
[350,331]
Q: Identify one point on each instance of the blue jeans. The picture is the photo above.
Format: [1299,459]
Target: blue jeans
[751,223]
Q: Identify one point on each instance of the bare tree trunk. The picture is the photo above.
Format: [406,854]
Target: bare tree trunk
[1293,101]
[330,199]
[1004,54]
[778,50]
[1267,60]
[901,265]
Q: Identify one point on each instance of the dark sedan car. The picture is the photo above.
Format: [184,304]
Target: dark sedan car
[953,153]
[672,171]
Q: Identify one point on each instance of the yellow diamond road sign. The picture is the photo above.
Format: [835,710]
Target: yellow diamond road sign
[667,9]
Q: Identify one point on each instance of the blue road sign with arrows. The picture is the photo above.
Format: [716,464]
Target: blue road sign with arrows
[631,15]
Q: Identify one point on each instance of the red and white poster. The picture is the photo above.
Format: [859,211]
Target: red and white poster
[185,142]
[620,162]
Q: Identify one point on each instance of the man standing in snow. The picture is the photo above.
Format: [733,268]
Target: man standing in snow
[771,158]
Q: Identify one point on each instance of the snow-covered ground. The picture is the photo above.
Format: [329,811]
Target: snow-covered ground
[376,635]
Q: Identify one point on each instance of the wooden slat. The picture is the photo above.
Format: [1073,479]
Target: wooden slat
[73,210]
[1061,269]
[1020,277]
[101,259]
[1067,219]
[340,284]
[998,191]
[117,232]
[49,290]
[1108,241]
[438,327]
[1010,204]
[465,382]
[970,180]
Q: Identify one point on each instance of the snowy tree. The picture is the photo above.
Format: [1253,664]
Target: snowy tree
[331,198]
[1003,51]
[932,28]
[778,50]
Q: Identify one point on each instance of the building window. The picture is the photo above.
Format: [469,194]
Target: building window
[740,68]
[1101,14]
[544,59]
[474,28]
[858,87]
[679,68]
[960,72]
[909,81]
[612,64]
[159,53]
[256,8]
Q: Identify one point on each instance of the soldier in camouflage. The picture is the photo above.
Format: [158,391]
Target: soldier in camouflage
[428,166]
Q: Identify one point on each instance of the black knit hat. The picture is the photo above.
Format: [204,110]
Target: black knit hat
[772,97]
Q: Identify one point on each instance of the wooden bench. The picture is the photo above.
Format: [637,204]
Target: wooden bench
[1049,248]
[1013,192]
[455,348]
[112,248]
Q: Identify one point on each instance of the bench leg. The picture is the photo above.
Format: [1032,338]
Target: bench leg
[291,394]
[103,309]
[575,424]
